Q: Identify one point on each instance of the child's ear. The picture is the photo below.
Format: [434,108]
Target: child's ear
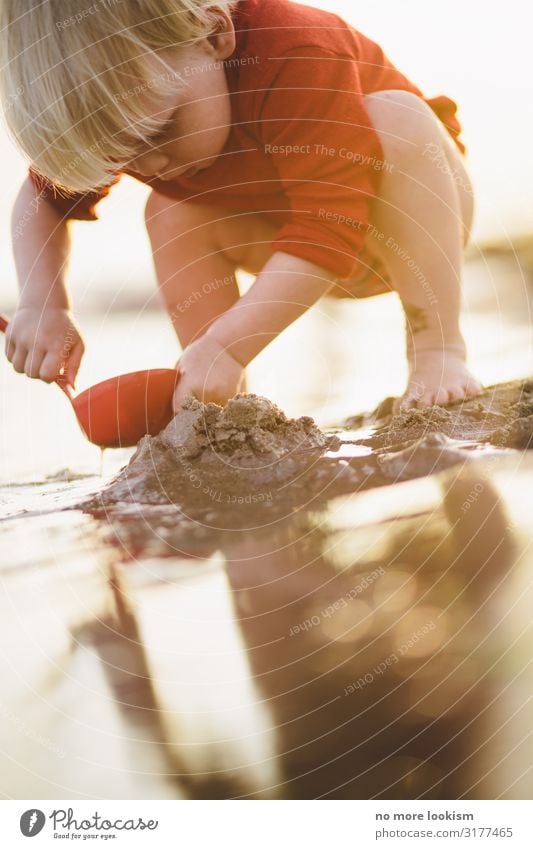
[222,40]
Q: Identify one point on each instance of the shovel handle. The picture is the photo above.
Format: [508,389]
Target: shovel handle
[65,387]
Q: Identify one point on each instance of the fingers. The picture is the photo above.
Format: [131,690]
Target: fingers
[44,344]
[32,366]
[50,367]
[18,359]
[9,345]
[26,359]
[73,363]
[206,394]
[36,363]
[176,402]
[180,395]
[46,365]
[183,390]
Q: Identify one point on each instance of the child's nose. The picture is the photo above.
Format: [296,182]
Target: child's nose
[151,163]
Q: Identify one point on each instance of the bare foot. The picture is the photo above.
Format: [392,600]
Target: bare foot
[437,378]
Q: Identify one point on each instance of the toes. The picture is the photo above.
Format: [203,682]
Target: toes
[422,398]
[403,404]
[456,393]
[437,397]
[468,389]
[432,398]
[473,387]
[441,396]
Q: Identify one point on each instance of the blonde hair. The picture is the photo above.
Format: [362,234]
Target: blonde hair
[71,73]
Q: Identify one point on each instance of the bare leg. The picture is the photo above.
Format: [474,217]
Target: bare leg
[419,225]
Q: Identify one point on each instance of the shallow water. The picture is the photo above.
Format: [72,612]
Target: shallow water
[371,645]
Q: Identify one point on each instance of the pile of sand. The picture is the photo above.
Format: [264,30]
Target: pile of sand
[216,469]
[502,416]
[250,452]
[250,432]
[211,454]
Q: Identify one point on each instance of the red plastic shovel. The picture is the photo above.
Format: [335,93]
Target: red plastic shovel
[119,411]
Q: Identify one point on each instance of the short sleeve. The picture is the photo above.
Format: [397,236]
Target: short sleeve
[78,205]
[315,127]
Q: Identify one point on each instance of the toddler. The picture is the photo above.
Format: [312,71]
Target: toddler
[275,138]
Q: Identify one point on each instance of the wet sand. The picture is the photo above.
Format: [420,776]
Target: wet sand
[359,628]
[254,608]
[213,472]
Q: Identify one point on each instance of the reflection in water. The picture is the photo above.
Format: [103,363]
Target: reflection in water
[375,646]
[216,728]
[333,658]
[369,694]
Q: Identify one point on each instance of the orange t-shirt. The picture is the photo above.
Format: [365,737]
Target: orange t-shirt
[302,149]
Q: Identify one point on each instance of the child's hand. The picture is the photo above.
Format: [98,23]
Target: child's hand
[437,378]
[44,342]
[208,373]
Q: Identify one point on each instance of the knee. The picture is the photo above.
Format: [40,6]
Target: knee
[403,121]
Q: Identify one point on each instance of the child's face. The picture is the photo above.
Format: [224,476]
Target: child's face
[198,115]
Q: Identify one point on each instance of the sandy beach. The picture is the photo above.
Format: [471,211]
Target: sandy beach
[254,606]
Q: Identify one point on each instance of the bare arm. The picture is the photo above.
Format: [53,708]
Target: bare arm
[42,338]
[286,287]
[41,247]
[211,369]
